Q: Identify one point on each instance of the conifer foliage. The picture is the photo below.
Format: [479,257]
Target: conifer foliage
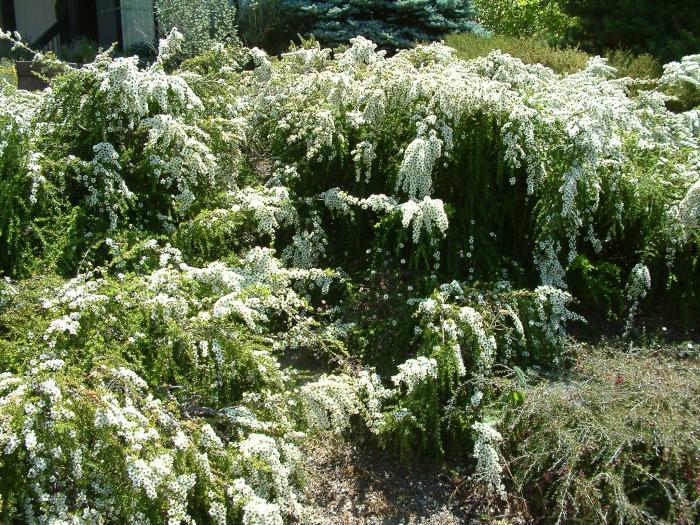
[388,23]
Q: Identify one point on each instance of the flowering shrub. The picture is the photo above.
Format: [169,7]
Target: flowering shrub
[196,337]
[465,334]
[107,450]
[368,134]
[681,80]
[136,153]
[177,244]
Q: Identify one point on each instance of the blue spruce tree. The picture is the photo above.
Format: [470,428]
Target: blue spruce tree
[389,23]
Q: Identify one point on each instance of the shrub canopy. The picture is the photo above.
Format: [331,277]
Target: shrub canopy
[177,245]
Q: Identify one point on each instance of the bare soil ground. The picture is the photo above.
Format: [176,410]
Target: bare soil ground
[354,485]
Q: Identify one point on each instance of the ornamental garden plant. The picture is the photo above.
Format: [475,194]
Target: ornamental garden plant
[177,238]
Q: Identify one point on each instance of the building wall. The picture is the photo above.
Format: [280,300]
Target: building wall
[34,17]
[108,16]
[138,26]
[7,15]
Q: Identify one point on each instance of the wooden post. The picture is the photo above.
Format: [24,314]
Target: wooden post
[138,28]
[28,80]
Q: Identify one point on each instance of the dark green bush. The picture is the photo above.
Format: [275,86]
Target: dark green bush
[668,30]
[634,66]
[268,24]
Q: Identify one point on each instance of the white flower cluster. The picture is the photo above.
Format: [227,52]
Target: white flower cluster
[373,394]
[330,402]
[426,214]
[306,249]
[688,210]
[69,483]
[416,172]
[271,207]
[260,286]
[337,199]
[362,52]
[682,79]
[272,485]
[637,287]
[69,324]
[107,190]
[263,67]
[472,329]
[552,312]
[112,453]
[415,372]
[259,512]
[76,294]
[488,463]
[170,46]
[204,24]
[18,108]
[485,343]
[364,155]
[132,92]
[179,158]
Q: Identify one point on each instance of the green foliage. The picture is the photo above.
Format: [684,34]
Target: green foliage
[7,72]
[80,51]
[634,66]
[598,286]
[213,235]
[525,18]
[268,24]
[532,50]
[665,30]
[389,24]
[528,49]
[616,440]
[203,23]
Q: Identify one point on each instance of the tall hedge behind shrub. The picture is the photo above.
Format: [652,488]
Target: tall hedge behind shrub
[667,30]
[542,18]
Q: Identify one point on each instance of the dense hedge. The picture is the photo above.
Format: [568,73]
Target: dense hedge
[667,30]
